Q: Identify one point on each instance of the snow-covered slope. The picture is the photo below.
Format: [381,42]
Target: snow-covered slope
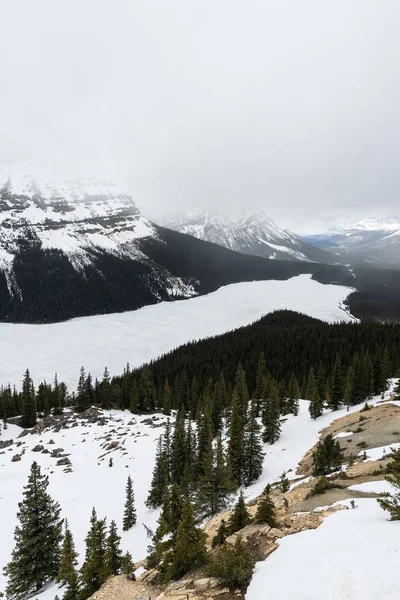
[91,483]
[139,336]
[353,555]
[250,232]
[369,240]
[39,205]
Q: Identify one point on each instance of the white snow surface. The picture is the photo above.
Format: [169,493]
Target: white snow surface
[343,434]
[373,487]
[139,336]
[380,452]
[353,555]
[92,482]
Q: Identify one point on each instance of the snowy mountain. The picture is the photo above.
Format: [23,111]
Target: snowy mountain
[370,240]
[250,232]
[41,210]
[70,248]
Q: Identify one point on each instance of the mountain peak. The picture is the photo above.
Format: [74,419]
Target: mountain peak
[250,232]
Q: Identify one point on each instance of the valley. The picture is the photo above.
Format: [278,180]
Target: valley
[140,336]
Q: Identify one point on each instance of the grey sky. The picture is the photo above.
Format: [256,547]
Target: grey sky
[284,105]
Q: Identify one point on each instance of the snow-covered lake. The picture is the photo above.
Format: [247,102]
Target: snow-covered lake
[139,336]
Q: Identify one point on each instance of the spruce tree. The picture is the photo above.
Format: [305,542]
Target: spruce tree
[35,559]
[266,512]
[129,511]
[221,535]
[189,550]
[391,502]
[337,392]
[167,398]
[134,398]
[316,406]
[253,453]
[215,485]
[159,482]
[128,566]
[261,374]
[29,415]
[68,574]
[146,390]
[233,565]
[178,449]
[94,569]
[239,517]
[327,457]
[113,555]
[242,392]
[270,416]
[236,441]
[311,383]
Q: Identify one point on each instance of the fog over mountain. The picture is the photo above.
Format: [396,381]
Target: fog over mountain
[287,107]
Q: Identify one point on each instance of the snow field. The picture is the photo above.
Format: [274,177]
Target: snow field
[92,482]
[353,555]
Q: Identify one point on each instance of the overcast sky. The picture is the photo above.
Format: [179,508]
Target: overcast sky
[290,106]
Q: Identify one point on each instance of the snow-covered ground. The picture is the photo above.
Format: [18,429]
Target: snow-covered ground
[380,452]
[92,482]
[353,555]
[139,336]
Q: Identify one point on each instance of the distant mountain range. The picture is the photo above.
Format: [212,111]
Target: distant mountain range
[250,232]
[70,248]
[372,241]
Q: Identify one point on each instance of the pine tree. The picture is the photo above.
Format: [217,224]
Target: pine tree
[221,534]
[270,416]
[266,512]
[94,569]
[128,566]
[242,392]
[113,555]
[68,574]
[130,511]
[159,482]
[189,550]
[311,383]
[215,485]
[239,517]
[327,457]
[178,449]
[84,391]
[204,440]
[348,382]
[167,398]
[260,382]
[236,442]
[253,453]
[146,390]
[233,565]
[134,397]
[337,392]
[29,416]
[391,502]
[284,483]
[35,559]
[168,523]
[316,406]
